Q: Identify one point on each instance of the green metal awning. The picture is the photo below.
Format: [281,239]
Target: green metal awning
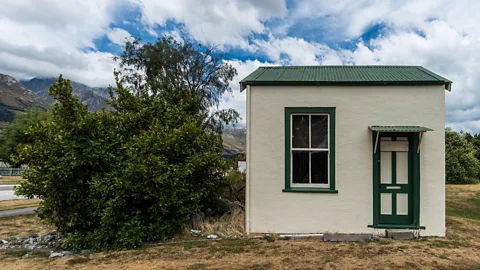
[379,129]
[400,128]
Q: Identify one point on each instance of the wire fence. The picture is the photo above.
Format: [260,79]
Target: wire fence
[11,171]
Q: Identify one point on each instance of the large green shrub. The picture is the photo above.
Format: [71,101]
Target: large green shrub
[138,172]
[462,166]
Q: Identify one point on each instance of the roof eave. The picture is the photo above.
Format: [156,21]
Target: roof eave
[243,84]
[448,86]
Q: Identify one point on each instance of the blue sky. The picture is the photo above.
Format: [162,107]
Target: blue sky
[79,38]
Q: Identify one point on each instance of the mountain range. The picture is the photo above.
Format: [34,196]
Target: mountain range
[14,98]
[19,96]
[94,97]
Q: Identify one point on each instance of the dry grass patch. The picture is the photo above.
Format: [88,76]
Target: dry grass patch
[25,225]
[232,224]
[11,180]
[19,203]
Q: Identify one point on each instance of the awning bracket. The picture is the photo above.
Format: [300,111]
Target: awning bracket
[376,142]
[420,142]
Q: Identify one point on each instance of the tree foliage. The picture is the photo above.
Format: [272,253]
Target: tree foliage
[169,64]
[15,135]
[118,178]
[462,165]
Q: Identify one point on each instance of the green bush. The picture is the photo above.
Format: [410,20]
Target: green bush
[117,178]
[109,183]
[235,186]
[462,166]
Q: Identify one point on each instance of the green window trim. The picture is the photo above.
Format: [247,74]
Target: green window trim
[310,110]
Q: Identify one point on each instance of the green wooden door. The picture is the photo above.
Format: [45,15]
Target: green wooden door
[395,187]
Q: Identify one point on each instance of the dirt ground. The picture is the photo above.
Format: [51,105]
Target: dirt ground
[459,250]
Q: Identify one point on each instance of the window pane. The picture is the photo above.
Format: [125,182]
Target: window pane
[300,167]
[300,131]
[320,167]
[319,131]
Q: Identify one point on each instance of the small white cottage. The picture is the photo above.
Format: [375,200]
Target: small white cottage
[345,149]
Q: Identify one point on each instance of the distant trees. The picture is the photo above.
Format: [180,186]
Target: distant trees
[462,157]
[118,178]
[15,134]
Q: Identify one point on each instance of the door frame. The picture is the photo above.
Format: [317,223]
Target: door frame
[415,179]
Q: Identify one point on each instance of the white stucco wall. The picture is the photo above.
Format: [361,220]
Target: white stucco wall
[269,210]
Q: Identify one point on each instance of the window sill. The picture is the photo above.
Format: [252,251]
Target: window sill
[392,226]
[310,190]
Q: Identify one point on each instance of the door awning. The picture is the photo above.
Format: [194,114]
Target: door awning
[399,128]
[419,129]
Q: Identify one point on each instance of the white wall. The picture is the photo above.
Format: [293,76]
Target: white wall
[351,210]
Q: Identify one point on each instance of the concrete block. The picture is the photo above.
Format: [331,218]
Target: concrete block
[356,237]
[399,234]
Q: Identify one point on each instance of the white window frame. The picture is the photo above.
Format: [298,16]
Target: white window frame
[310,150]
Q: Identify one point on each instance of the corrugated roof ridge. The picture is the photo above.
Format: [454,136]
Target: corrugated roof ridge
[342,66]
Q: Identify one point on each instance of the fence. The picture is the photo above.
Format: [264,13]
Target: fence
[11,171]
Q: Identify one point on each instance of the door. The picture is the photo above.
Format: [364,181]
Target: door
[395,189]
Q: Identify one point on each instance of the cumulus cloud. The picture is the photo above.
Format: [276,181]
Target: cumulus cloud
[215,22]
[237,100]
[118,36]
[297,51]
[49,37]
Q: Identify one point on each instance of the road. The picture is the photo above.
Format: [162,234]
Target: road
[17,212]
[7,193]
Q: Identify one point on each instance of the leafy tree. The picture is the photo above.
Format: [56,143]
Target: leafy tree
[117,178]
[15,133]
[462,166]
[169,64]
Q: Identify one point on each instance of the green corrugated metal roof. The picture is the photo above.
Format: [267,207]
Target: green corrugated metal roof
[400,128]
[344,75]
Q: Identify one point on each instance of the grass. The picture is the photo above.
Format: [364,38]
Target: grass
[19,203]
[230,224]
[459,250]
[463,201]
[22,226]
[11,180]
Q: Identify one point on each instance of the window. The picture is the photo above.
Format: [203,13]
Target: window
[309,150]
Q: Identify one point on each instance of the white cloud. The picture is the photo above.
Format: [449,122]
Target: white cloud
[443,50]
[175,34]
[237,100]
[49,37]
[217,22]
[118,36]
[297,51]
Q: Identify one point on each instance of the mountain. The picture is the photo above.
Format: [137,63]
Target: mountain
[14,97]
[94,97]
[234,141]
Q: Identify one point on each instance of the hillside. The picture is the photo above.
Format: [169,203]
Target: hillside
[94,97]
[14,98]
[234,141]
